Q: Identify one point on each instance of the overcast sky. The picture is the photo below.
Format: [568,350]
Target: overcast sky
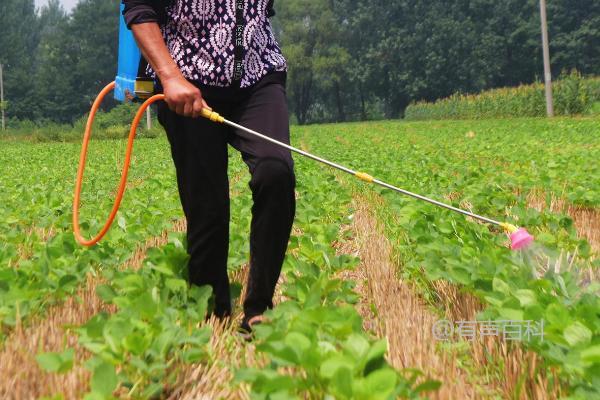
[67,4]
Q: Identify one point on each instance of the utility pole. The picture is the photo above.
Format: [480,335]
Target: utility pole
[148,118]
[2,96]
[546,50]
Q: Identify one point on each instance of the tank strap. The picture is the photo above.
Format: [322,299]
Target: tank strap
[238,40]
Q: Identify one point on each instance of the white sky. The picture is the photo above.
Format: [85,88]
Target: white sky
[67,4]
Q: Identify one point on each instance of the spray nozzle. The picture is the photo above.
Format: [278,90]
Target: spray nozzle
[519,237]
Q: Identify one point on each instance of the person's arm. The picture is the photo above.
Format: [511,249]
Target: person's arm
[142,16]
[181,96]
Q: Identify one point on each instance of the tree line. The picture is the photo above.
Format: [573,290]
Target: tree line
[348,59]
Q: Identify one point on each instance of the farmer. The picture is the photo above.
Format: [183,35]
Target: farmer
[223,53]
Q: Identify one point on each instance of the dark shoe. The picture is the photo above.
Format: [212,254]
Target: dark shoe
[245,330]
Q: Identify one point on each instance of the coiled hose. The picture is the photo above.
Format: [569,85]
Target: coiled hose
[82,158]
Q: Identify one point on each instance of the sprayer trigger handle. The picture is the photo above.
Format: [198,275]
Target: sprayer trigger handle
[213,116]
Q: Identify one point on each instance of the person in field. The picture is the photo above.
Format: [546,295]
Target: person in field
[223,53]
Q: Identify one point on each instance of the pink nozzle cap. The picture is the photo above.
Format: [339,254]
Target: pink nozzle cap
[520,239]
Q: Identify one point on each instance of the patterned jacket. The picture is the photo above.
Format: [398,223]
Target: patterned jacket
[224,43]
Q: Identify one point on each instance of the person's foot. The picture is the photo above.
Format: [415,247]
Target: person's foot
[247,324]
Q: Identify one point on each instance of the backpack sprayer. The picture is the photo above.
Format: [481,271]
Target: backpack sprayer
[131,84]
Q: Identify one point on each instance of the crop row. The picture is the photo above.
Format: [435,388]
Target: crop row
[313,344]
[572,95]
[483,173]
[316,333]
[40,270]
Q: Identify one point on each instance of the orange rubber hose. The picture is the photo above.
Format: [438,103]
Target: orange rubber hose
[86,138]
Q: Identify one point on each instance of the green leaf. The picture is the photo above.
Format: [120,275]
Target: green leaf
[341,383]
[511,314]
[526,297]
[136,343]
[176,284]
[193,355]
[500,286]
[67,281]
[375,357]
[50,362]
[131,282]
[331,365]
[591,354]
[162,269]
[144,305]
[381,382]
[577,333]
[105,292]
[546,238]
[104,379]
[428,386]
[55,397]
[246,375]
[56,362]
[201,293]
[460,275]
[298,342]
[557,314]
[357,345]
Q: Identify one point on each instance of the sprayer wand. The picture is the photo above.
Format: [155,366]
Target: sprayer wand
[519,237]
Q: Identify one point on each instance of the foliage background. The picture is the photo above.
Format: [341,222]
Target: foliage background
[349,59]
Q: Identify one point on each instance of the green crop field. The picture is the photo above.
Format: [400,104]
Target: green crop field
[119,319]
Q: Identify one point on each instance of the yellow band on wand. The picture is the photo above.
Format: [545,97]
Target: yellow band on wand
[364,177]
[510,228]
[213,116]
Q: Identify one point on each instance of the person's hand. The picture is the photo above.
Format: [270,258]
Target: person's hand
[183,98]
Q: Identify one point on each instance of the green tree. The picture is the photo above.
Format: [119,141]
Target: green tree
[312,43]
[574,29]
[52,82]
[407,50]
[79,57]
[92,49]
[18,43]
[348,59]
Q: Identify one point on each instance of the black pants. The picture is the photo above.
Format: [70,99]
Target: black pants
[199,150]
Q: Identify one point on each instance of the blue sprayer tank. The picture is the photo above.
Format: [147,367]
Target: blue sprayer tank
[128,85]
